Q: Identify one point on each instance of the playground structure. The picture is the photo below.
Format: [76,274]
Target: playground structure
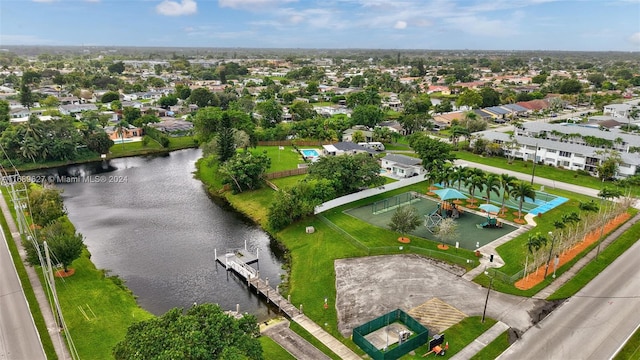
[394,202]
[444,210]
[490,223]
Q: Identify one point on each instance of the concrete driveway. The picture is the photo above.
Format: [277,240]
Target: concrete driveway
[372,286]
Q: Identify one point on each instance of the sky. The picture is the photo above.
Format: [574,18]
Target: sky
[571,25]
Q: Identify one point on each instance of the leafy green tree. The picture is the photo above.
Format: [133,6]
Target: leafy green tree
[302,110]
[348,173]
[367,115]
[116,68]
[244,171]
[271,113]
[131,114]
[433,152]
[183,91]
[570,86]
[469,98]
[110,96]
[369,96]
[50,101]
[201,97]
[168,100]
[65,246]
[202,332]
[490,97]
[299,201]
[116,105]
[45,204]
[405,219]
[609,163]
[99,142]
[414,122]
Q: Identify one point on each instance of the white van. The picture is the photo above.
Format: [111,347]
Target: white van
[374,145]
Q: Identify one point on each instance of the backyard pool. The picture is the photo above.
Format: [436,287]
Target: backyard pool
[310,153]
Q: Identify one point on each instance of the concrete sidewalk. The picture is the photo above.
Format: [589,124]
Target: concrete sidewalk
[332,343]
[481,341]
[298,347]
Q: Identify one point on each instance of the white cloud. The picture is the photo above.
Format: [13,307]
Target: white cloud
[252,4]
[635,38]
[44,1]
[174,8]
[400,25]
[7,39]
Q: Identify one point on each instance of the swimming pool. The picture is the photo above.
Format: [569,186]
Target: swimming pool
[310,153]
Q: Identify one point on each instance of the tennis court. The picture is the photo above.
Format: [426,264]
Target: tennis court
[469,235]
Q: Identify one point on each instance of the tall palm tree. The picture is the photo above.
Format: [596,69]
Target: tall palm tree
[121,129]
[458,174]
[475,182]
[520,191]
[29,149]
[492,185]
[534,243]
[506,183]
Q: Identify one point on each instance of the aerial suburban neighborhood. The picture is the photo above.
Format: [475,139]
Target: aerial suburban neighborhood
[338,189]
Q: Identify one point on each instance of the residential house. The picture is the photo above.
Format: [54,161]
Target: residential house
[402,166]
[74,109]
[128,132]
[347,135]
[345,148]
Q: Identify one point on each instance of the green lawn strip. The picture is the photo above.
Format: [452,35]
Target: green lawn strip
[285,159]
[630,350]
[182,142]
[273,350]
[494,348]
[312,262]
[288,182]
[254,204]
[134,148]
[34,307]
[458,336]
[97,309]
[595,267]
[545,171]
[295,327]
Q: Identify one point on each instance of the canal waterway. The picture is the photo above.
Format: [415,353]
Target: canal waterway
[150,222]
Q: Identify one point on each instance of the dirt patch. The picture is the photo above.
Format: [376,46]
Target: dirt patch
[404,240]
[443,247]
[62,274]
[537,276]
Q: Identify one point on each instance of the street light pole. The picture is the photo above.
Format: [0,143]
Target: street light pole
[546,269]
[486,301]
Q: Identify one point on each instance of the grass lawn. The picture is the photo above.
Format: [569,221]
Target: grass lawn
[545,171]
[285,159]
[631,350]
[287,182]
[458,336]
[273,350]
[97,310]
[494,348]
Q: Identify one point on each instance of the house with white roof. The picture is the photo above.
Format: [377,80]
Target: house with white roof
[402,166]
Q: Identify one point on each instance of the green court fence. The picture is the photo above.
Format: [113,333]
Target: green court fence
[419,337]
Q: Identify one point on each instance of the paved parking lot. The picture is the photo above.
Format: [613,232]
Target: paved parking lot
[371,286]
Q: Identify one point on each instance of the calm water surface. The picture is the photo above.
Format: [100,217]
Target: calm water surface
[157,229]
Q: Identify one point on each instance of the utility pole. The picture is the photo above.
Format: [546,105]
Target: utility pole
[486,301]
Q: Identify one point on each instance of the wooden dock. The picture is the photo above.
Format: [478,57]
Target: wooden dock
[238,261]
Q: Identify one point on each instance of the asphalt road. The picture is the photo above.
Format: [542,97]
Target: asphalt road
[594,323]
[18,336]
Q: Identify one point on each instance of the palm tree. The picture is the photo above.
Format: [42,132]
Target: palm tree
[520,191]
[534,243]
[121,129]
[506,183]
[458,175]
[492,184]
[29,149]
[475,182]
